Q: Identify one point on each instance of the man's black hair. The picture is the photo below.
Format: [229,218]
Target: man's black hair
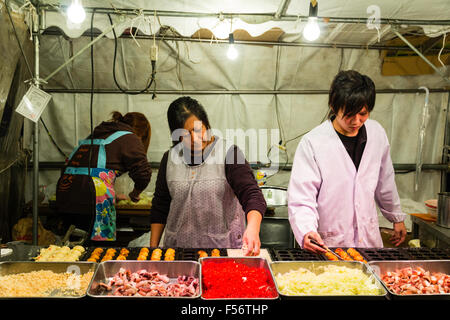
[350,92]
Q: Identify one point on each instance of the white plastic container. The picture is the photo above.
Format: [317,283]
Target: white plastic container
[432,207]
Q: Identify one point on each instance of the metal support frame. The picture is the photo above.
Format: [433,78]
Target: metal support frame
[36,135]
[284,4]
[240,92]
[101,35]
[262,16]
[445,151]
[422,56]
[398,167]
[333,45]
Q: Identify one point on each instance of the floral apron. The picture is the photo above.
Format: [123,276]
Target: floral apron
[104,228]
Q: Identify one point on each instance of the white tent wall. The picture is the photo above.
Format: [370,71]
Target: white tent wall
[204,67]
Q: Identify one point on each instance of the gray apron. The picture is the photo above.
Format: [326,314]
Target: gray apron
[204,211]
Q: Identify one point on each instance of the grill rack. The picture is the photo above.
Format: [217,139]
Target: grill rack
[293,254]
[369,254]
[192,253]
[133,252]
[428,253]
[180,253]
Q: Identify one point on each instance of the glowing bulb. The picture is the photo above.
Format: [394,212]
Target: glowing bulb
[311,31]
[232,53]
[75,12]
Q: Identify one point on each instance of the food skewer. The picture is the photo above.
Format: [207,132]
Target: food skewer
[344,255]
[329,254]
[356,255]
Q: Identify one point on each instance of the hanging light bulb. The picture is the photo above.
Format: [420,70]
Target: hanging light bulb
[232,53]
[75,12]
[312,30]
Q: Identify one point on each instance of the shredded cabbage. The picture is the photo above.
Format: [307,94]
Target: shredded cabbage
[330,280]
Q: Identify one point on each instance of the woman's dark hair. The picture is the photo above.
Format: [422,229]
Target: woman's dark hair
[350,92]
[139,123]
[182,109]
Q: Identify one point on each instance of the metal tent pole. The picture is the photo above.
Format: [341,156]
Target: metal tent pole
[243,92]
[445,151]
[36,135]
[267,16]
[247,42]
[282,7]
[422,56]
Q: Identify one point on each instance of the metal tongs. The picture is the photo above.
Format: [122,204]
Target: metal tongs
[326,248]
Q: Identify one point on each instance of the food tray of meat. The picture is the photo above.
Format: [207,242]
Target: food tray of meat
[29,279]
[326,280]
[294,254]
[146,279]
[414,279]
[248,278]
[195,254]
[99,254]
[428,253]
[384,254]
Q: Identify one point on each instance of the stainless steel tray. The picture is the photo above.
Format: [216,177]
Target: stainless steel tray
[11,268]
[286,266]
[381,267]
[172,269]
[255,262]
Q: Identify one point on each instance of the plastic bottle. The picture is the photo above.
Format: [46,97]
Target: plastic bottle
[261,177]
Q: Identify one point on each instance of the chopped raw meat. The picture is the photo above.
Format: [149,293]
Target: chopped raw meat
[145,283]
[416,281]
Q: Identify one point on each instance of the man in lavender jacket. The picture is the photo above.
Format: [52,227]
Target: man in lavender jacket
[342,169]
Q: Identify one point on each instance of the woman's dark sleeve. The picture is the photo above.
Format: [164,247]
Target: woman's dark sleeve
[241,179]
[135,161]
[161,197]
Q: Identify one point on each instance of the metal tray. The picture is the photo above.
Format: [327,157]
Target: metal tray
[275,196]
[286,266]
[172,269]
[10,268]
[380,267]
[255,262]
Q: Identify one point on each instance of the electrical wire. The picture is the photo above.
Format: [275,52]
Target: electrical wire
[440,51]
[153,64]
[302,134]
[53,140]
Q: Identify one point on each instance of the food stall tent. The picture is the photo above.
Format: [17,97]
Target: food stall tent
[277,86]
